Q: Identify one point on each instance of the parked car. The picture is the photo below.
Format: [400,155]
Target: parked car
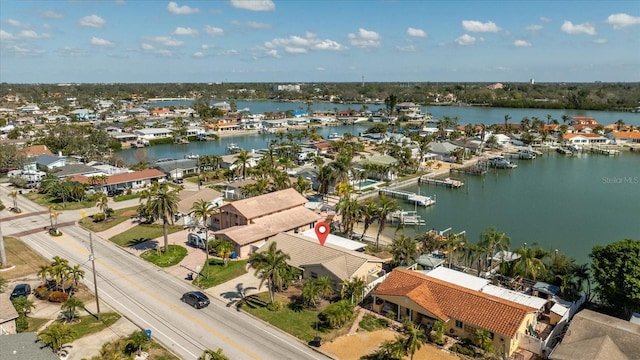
[20,290]
[197,299]
[178,180]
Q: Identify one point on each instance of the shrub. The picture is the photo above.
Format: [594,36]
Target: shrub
[99,217]
[42,292]
[22,324]
[370,323]
[275,306]
[461,349]
[58,297]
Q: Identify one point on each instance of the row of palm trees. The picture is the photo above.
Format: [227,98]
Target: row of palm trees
[60,272]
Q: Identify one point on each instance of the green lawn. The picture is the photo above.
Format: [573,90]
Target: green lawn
[46,201]
[300,323]
[141,233]
[218,273]
[88,324]
[125,197]
[175,254]
[35,323]
[118,217]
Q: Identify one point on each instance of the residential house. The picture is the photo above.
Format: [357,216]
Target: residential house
[624,137]
[190,197]
[24,346]
[583,120]
[443,150]
[229,161]
[426,299]
[596,336]
[48,162]
[249,223]
[35,150]
[383,166]
[177,168]
[68,170]
[153,133]
[409,110]
[8,315]
[335,262]
[130,180]
[585,139]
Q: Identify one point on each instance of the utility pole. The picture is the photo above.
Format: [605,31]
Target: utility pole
[95,280]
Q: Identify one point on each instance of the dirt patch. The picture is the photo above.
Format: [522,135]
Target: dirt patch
[25,261]
[353,347]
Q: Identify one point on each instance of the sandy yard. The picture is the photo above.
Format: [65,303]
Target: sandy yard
[363,343]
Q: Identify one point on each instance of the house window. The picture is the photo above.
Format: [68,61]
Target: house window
[459,324]
[314,275]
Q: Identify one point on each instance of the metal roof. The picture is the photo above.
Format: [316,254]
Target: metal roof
[336,240]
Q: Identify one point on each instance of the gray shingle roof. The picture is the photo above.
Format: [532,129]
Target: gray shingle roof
[24,346]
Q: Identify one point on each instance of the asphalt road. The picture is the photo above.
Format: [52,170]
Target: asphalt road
[149,297]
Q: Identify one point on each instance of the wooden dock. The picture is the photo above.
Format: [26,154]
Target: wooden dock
[447,182]
[408,196]
[477,169]
[603,151]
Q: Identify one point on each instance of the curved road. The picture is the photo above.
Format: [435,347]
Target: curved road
[149,297]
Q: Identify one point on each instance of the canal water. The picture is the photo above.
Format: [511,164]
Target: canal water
[569,203]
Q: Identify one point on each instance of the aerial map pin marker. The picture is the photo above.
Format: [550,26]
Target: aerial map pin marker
[322,231]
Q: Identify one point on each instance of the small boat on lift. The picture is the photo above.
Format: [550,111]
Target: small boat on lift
[233,148]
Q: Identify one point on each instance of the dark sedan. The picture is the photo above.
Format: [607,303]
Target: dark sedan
[197,299]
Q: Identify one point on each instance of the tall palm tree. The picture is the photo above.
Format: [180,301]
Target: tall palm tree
[56,335]
[224,249]
[583,273]
[385,207]
[507,117]
[404,250]
[203,210]
[270,265]
[164,205]
[326,178]
[75,273]
[415,337]
[368,212]
[301,185]
[530,264]
[102,202]
[242,160]
[493,240]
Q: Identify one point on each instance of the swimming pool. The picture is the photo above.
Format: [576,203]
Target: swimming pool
[364,184]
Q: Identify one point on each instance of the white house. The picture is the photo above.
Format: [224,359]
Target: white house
[624,137]
[585,139]
[153,133]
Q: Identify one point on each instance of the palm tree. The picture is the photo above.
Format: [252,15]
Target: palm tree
[14,196]
[56,335]
[530,263]
[392,350]
[368,212]
[224,249]
[310,292]
[385,207]
[70,308]
[492,240]
[453,243]
[213,355]
[619,124]
[301,185]
[59,270]
[164,205]
[483,339]
[242,159]
[23,305]
[102,202]
[203,210]
[138,340]
[271,266]
[53,217]
[415,337]
[404,250]
[325,286]
[583,273]
[114,350]
[353,289]
[75,273]
[326,177]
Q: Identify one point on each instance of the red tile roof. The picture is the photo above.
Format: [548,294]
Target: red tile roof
[587,135]
[35,150]
[448,301]
[125,177]
[626,134]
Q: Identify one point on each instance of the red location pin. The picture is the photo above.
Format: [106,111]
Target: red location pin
[322,231]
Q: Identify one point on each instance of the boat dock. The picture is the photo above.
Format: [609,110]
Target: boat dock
[603,150]
[405,218]
[408,196]
[447,182]
[479,168]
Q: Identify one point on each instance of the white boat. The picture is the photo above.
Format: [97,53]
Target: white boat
[564,151]
[233,148]
[191,156]
[334,136]
[500,162]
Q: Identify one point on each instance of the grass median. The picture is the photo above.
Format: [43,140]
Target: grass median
[165,259]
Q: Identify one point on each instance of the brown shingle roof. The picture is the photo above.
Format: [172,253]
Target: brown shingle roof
[266,204]
[35,150]
[270,225]
[447,301]
[307,251]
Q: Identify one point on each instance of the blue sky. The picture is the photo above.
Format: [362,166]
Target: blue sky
[318,41]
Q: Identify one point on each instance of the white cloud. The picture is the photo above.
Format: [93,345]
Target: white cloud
[164,52]
[502,68]
[6,36]
[320,69]
[365,39]
[465,40]
[408,48]
[173,8]
[521,43]
[545,19]
[273,53]
[600,41]
[205,46]
[93,21]
[185,31]
[254,5]
[622,20]
[477,26]
[30,34]
[534,28]
[146,46]
[299,44]
[251,24]
[230,52]
[23,51]
[96,41]
[198,54]
[16,23]
[72,51]
[585,28]
[213,31]
[168,41]
[49,14]
[416,32]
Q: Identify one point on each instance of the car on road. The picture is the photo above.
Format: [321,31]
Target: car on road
[197,299]
[20,290]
